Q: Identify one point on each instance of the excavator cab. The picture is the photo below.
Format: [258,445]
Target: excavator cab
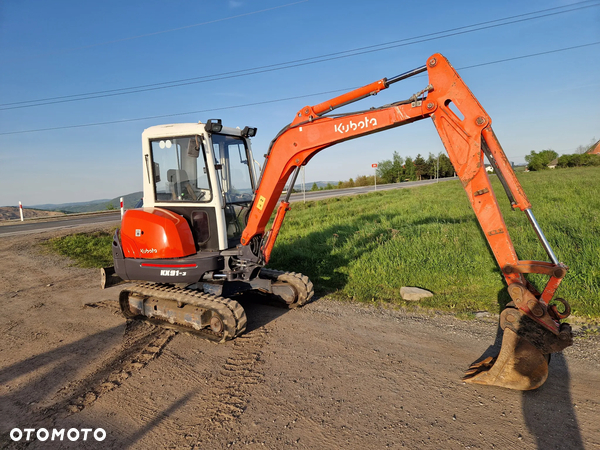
[205,176]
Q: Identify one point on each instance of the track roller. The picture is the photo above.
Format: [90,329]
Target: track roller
[208,316]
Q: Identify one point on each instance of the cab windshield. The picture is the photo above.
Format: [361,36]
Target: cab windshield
[179,170]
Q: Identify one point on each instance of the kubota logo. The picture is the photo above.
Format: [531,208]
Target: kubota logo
[353,126]
[148,250]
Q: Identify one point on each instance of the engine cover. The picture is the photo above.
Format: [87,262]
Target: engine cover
[155,233]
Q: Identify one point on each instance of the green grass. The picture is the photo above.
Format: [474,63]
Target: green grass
[86,249]
[366,248]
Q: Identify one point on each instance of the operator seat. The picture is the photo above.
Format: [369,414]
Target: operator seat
[180,185]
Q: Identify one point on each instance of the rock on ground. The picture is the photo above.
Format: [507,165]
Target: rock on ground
[414,294]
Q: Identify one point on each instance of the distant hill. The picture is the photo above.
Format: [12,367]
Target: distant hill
[12,212]
[73,207]
[129,201]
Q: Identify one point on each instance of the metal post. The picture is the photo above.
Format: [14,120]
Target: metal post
[374,166]
[541,236]
[122,209]
[21,211]
[375,177]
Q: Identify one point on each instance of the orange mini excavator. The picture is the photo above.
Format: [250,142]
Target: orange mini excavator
[201,236]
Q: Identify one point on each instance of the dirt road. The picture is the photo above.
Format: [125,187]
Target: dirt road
[330,375]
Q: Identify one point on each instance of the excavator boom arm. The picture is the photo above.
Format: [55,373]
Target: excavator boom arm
[465,130]
[465,139]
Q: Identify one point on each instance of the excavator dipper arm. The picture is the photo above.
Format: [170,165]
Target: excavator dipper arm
[465,130]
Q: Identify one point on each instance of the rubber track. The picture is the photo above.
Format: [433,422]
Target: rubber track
[300,282]
[230,311]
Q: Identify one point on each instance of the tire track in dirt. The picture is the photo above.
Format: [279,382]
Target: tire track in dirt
[224,400]
[142,343]
[205,407]
[230,389]
[139,348]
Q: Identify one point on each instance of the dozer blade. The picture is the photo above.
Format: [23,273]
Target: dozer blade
[519,365]
[109,278]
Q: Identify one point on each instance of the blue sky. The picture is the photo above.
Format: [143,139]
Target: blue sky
[64,48]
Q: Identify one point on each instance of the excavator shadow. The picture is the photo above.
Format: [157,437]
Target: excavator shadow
[542,406]
[318,254]
[548,411]
[259,310]
[35,392]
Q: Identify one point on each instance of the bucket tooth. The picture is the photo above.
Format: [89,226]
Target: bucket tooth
[519,365]
[480,366]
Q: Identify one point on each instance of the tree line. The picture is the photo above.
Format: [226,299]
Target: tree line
[542,159]
[399,169]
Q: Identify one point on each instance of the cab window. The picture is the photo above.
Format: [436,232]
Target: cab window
[179,170]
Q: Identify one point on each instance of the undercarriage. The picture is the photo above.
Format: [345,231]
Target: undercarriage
[196,309]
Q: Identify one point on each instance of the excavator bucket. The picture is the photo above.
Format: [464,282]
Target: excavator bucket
[519,365]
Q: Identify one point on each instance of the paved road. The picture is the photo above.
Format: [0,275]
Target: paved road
[74,221]
[321,195]
[70,222]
